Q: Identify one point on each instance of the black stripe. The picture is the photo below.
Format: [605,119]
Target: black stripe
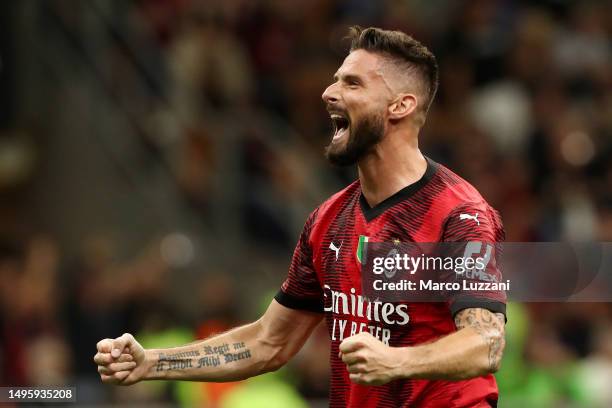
[480,303]
[372,212]
[293,302]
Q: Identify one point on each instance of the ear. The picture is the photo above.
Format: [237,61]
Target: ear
[402,106]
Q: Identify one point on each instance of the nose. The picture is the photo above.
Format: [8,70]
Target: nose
[330,95]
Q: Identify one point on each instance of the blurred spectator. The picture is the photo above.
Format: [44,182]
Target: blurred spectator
[148,117]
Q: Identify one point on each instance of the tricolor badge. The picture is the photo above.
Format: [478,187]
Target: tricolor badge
[361,248]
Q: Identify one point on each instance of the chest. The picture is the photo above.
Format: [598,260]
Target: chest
[342,238]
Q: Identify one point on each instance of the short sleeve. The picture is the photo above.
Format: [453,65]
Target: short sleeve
[301,289]
[478,231]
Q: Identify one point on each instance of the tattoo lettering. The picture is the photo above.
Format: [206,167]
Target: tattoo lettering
[231,357]
[214,356]
[490,326]
[222,349]
[209,362]
[176,361]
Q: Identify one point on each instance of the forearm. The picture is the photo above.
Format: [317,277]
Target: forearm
[235,355]
[474,350]
[246,351]
[458,356]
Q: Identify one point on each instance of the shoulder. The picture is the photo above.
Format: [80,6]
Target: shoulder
[455,189]
[338,200]
[457,202]
[468,214]
[324,214]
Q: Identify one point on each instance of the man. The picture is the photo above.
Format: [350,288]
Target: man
[419,354]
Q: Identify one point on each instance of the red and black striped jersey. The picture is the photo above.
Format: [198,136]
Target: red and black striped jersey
[326,270]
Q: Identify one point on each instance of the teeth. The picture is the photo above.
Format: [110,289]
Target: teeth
[340,123]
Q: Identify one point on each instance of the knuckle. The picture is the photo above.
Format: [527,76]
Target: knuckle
[100,358]
[125,358]
[104,344]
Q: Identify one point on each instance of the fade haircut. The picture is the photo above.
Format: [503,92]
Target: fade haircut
[403,50]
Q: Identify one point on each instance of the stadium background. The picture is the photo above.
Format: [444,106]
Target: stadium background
[159,157]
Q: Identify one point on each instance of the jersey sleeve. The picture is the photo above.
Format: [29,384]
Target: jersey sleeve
[301,289]
[477,231]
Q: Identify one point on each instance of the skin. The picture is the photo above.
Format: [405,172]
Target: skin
[475,349]
[271,341]
[366,85]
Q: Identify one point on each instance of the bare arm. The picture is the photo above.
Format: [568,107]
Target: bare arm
[475,349]
[246,351]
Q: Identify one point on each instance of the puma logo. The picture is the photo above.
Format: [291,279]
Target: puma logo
[336,249]
[469,217]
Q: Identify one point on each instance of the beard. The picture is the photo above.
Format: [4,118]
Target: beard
[363,135]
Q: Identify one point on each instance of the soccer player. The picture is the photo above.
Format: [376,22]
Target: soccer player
[393,354]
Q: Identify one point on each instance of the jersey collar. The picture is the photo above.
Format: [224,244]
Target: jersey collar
[372,212]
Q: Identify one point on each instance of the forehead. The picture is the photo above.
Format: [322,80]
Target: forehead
[362,63]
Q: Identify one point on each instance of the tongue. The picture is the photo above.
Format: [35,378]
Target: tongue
[339,133]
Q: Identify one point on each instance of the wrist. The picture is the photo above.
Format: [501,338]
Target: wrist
[402,357]
[150,364]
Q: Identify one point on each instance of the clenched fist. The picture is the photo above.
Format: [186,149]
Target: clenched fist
[120,361]
[368,360]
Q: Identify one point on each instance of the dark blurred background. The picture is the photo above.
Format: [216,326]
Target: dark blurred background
[158,159]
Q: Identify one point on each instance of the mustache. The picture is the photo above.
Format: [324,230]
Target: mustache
[335,109]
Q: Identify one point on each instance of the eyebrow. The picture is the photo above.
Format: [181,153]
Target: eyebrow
[348,78]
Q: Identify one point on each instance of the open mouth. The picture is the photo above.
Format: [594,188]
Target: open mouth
[341,124]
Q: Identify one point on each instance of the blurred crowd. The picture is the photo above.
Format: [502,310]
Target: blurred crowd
[215,108]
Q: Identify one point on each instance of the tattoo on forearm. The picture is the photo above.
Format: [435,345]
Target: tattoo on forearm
[490,326]
[176,361]
[209,356]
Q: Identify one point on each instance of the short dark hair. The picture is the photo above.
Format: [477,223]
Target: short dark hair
[400,47]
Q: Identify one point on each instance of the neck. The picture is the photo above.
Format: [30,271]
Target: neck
[396,162]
